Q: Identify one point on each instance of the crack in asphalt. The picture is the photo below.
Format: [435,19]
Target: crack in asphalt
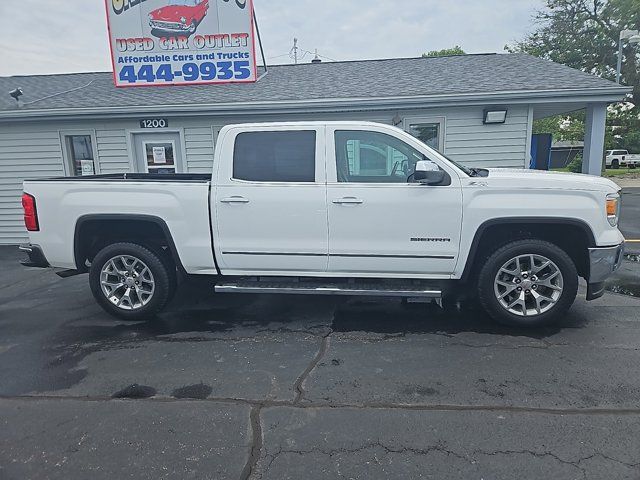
[255,452]
[298,385]
[255,448]
[349,451]
[263,404]
[573,463]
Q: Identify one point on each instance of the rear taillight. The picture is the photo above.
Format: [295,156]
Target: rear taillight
[30,213]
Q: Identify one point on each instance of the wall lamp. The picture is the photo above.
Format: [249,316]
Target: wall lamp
[495,115]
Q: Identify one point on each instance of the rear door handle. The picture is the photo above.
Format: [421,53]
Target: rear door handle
[234,200]
[348,201]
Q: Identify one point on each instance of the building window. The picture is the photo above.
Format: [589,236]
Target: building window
[428,130]
[160,157]
[275,157]
[80,155]
[371,157]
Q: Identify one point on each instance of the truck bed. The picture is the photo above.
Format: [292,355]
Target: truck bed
[179,202]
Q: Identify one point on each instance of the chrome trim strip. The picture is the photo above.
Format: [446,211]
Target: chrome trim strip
[357,255]
[341,255]
[278,254]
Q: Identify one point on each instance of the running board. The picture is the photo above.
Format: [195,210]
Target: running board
[299,288]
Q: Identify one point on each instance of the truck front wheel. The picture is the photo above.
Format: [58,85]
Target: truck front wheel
[528,283]
[130,281]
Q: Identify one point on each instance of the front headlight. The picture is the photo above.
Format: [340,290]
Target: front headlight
[613,209]
[183,20]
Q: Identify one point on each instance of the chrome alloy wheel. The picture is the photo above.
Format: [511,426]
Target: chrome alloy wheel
[528,285]
[127,282]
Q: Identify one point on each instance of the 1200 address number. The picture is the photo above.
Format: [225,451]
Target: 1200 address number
[190,72]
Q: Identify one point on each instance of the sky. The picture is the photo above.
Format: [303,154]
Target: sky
[60,36]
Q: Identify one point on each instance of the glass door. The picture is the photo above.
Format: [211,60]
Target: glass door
[159,153]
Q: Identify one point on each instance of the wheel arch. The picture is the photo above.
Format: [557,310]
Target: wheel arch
[94,230]
[560,231]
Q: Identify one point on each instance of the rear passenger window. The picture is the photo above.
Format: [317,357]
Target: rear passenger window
[275,156]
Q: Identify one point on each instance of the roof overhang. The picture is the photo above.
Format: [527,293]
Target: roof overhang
[331,105]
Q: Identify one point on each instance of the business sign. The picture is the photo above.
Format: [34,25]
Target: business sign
[181,42]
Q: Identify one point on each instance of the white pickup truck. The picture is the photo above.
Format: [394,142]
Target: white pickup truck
[331,208]
[621,158]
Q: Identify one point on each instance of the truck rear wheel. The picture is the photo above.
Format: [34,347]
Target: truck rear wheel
[528,283]
[130,281]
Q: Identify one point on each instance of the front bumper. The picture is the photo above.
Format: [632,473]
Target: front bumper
[168,26]
[36,256]
[603,262]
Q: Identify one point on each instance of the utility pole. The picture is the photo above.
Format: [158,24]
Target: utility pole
[295,50]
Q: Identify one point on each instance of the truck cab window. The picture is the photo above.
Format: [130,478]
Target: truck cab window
[275,157]
[371,157]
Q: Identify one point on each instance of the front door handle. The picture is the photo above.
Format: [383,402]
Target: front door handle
[348,201]
[234,200]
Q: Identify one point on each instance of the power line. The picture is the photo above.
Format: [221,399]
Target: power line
[297,54]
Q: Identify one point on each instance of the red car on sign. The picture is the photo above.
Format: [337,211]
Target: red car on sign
[178,17]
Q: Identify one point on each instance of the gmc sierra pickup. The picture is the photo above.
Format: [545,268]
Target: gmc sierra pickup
[336,209]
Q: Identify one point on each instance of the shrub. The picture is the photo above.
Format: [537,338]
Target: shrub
[575,165]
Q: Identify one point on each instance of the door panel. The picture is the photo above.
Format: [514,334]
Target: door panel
[265,226]
[396,229]
[379,223]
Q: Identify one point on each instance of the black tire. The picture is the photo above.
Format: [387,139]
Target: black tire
[162,277]
[615,164]
[167,260]
[489,271]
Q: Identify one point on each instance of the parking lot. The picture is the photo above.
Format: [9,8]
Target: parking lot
[236,387]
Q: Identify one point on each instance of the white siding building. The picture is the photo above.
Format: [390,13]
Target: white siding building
[76,124]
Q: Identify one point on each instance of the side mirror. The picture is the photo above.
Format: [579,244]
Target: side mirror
[428,173]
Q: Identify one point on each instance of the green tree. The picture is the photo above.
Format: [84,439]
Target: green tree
[584,34]
[457,50]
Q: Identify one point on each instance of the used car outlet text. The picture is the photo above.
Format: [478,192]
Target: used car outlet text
[199,42]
